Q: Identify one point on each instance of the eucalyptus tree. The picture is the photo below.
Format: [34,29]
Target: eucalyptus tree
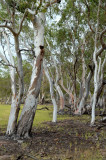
[98,80]
[68,41]
[10,62]
[56,78]
[37,17]
[91,21]
[35,12]
[78,22]
[9,21]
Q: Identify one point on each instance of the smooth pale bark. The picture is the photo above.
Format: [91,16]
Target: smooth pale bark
[16,96]
[16,99]
[74,84]
[29,109]
[12,122]
[99,85]
[12,118]
[83,68]
[87,83]
[96,70]
[95,92]
[51,92]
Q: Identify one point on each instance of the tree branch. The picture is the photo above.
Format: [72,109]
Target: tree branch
[8,27]
[86,3]
[101,38]
[25,50]
[20,27]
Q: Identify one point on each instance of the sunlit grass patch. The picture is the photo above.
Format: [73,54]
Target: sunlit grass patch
[42,115]
[4,115]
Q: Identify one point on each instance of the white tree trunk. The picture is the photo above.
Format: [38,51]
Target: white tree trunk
[56,82]
[29,109]
[51,92]
[83,69]
[96,75]
[16,99]
[12,122]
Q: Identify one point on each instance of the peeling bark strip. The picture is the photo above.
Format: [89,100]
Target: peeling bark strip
[28,112]
[38,67]
[29,109]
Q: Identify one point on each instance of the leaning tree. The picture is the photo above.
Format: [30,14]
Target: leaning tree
[35,12]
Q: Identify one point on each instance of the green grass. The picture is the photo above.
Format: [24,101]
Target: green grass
[40,116]
[4,115]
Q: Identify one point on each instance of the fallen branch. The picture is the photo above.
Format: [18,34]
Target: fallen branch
[27,155]
[68,106]
[43,108]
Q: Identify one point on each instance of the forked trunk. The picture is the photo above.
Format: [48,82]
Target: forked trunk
[71,97]
[29,109]
[86,93]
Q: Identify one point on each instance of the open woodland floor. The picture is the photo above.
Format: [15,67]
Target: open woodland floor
[69,139]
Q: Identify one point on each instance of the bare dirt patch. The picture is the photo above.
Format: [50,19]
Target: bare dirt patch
[65,140]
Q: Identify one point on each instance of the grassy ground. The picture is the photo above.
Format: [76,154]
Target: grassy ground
[71,138]
[41,115]
[4,115]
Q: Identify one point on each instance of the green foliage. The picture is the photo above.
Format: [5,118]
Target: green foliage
[65,36]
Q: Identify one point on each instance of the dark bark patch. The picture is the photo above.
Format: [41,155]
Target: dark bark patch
[38,65]
[41,47]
